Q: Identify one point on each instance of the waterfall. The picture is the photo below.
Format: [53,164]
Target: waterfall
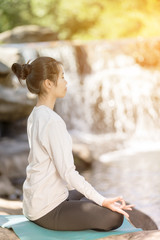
[116,95]
[108,92]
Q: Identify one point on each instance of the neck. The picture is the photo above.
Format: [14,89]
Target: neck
[48,101]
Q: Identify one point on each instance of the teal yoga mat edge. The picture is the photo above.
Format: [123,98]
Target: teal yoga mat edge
[22,223]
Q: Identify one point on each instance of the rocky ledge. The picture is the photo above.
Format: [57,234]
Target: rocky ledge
[15,207]
[8,207]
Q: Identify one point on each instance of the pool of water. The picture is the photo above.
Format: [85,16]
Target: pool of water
[134,175]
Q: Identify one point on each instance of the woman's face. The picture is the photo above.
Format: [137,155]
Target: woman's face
[61,88]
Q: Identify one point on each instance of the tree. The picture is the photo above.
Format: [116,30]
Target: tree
[85,19]
[14,13]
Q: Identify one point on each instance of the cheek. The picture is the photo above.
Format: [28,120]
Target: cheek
[62,85]
[60,89]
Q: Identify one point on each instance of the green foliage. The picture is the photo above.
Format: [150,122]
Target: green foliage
[14,13]
[85,19]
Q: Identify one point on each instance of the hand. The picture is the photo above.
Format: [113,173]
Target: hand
[112,204]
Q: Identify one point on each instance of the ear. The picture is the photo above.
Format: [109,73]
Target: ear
[48,83]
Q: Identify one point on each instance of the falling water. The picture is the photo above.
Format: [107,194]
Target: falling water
[116,97]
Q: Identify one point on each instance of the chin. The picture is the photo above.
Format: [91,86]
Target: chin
[62,96]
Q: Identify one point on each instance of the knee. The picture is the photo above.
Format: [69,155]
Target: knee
[113,221]
[117,220]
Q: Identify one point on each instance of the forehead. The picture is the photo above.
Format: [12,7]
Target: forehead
[61,69]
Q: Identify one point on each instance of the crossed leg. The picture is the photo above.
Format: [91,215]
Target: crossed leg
[79,213]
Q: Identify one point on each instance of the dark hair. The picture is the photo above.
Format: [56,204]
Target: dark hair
[40,69]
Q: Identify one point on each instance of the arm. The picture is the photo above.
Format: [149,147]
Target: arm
[61,153]
[60,147]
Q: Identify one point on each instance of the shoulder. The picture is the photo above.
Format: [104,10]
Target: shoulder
[44,114]
[48,116]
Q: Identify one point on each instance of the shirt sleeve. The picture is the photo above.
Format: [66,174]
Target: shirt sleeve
[60,147]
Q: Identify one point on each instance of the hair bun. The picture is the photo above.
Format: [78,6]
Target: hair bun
[21,71]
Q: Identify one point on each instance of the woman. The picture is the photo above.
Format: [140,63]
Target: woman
[55,195]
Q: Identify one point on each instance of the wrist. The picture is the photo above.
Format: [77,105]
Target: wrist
[104,202]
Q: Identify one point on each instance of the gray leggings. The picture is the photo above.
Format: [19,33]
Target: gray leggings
[79,213]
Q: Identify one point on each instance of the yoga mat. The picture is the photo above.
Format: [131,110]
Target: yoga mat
[27,230]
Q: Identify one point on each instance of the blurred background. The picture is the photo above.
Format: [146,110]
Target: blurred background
[111,54]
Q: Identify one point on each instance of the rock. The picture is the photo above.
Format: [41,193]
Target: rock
[13,163]
[82,156]
[7,57]
[8,207]
[13,208]
[28,33]
[83,152]
[13,157]
[7,234]
[15,129]
[145,235]
[4,70]
[6,188]
[5,80]
[14,103]
[10,55]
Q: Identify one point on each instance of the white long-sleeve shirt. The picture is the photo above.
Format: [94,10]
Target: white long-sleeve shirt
[51,172]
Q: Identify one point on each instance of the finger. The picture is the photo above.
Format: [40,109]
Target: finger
[117,204]
[123,203]
[132,205]
[120,198]
[128,207]
[119,210]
